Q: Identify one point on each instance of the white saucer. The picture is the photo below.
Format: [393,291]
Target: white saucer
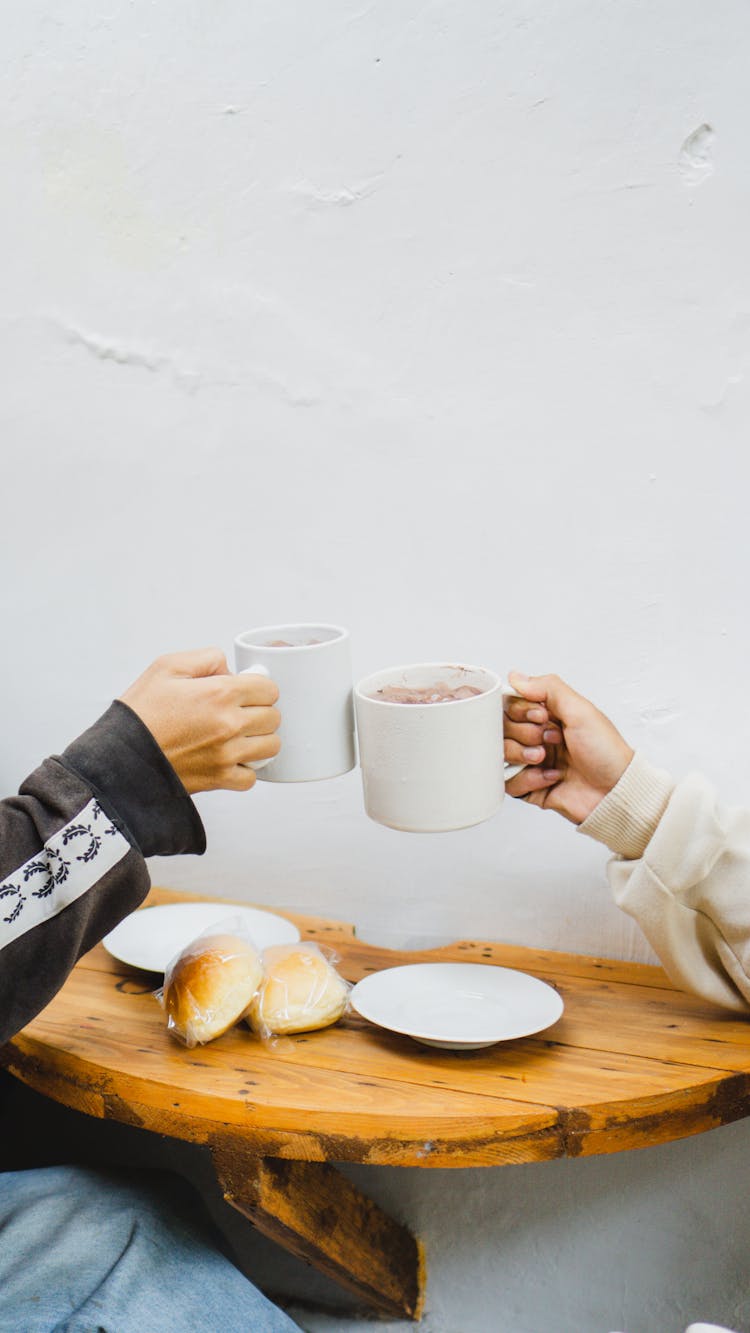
[151,937]
[459,1006]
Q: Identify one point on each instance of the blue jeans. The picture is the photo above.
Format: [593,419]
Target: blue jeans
[84,1251]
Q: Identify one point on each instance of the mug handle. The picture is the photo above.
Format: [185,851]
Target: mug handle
[256,670]
[511,771]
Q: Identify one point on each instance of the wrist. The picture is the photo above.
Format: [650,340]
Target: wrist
[125,767]
[626,817]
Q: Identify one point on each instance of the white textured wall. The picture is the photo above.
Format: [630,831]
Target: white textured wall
[431,319]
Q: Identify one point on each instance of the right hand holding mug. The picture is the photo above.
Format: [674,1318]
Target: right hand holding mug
[209,723]
[574,754]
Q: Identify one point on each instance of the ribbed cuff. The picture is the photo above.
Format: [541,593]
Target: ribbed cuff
[627,817]
[136,784]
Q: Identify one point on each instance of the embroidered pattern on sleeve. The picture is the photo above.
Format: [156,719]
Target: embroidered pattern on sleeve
[67,866]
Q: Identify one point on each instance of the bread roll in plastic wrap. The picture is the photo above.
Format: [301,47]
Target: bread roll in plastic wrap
[300,991]
[209,986]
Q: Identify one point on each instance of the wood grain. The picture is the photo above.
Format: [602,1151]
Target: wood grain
[318,1215]
[632,1061]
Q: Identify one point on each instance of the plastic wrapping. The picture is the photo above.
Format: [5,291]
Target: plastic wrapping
[210,983]
[301,991]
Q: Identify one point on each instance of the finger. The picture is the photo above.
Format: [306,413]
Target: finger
[519,710]
[533,780]
[531,688]
[196,662]
[249,749]
[523,754]
[239,779]
[559,699]
[255,720]
[249,690]
[526,734]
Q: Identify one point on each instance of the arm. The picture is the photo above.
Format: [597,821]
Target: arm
[682,863]
[72,854]
[682,870]
[73,842]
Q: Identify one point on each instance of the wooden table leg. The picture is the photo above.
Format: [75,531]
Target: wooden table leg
[313,1211]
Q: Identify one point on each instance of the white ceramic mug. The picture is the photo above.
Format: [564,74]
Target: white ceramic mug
[311,665]
[428,768]
[707,1328]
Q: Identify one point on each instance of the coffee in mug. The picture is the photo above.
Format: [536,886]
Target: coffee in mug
[439,693]
[311,665]
[431,745]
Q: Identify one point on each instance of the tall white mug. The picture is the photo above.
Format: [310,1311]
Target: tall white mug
[311,664]
[432,767]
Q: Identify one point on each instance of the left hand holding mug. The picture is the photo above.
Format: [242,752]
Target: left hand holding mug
[209,723]
[579,754]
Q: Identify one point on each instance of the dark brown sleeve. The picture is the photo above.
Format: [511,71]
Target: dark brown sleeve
[72,849]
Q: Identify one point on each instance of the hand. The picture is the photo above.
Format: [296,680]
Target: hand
[574,752]
[207,721]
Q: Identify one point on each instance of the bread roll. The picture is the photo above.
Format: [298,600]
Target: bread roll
[300,991]
[210,986]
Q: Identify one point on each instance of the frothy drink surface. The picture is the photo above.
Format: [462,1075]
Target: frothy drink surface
[439,693]
[283,643]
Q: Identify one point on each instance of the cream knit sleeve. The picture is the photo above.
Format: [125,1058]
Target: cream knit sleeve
[682,870]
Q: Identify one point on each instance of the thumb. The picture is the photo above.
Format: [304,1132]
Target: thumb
[195,663]
[560,700]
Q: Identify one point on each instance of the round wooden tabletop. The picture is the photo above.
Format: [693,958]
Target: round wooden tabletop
[631,1062]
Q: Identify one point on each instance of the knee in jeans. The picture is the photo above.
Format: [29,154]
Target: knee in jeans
[106,1199]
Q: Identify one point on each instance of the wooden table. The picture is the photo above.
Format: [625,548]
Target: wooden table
[632,1062]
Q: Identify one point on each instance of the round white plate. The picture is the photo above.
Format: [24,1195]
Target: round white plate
[151,937]
[460,1006]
